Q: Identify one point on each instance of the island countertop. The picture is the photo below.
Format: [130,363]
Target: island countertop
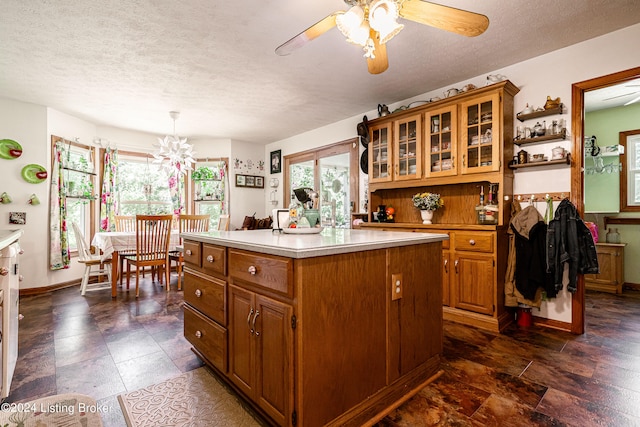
[330,241]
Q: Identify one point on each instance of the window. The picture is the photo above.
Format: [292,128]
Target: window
[143,188]
[630,179]
[332,171]
[209,189]
[79,186]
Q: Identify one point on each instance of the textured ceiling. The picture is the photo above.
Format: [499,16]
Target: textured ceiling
[128,63]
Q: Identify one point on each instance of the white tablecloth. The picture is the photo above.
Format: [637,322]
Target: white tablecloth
[110,241]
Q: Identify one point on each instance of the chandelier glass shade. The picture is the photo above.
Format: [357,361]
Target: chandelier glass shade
[380,15]
[172,153]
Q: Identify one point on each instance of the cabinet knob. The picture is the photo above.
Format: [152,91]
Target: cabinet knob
[20,316]
[198,293]
[210,258]
[472,242]
[455,264]
[446,265]
[198,334]
[4,271]
[188,252]
[252,270]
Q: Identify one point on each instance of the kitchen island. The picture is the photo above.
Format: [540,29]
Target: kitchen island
[337,328]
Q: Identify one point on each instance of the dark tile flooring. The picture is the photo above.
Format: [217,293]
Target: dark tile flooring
[524,377]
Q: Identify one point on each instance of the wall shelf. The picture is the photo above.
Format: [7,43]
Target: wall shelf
[544,138]
[565,161]
[543,113]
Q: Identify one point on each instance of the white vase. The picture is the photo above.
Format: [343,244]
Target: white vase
[426,215]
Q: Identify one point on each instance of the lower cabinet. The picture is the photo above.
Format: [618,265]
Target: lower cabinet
[261,350]
[611,263]
[334,340]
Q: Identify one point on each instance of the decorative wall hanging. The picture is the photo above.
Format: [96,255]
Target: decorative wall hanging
[10,149]
[34,174]
[19,218]
[250,181]
[276,161]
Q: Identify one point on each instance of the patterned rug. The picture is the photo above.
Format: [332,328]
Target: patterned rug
[195,398]
[68,410]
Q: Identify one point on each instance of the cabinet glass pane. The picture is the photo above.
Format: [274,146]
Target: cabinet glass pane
[480,135]
[407,148]
[440,147]
[379,147]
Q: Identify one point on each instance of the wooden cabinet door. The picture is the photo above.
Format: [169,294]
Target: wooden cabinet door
[407,148]
[474,283]
[274,358]
[380,154]
[446,281]
[480,135]
[611,263]
[441,144]
[241,343]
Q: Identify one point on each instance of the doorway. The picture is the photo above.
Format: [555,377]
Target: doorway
[577,173]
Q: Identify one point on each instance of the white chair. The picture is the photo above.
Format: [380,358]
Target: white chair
[90,260]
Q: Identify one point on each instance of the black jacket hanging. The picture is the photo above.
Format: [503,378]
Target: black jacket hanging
[570,241]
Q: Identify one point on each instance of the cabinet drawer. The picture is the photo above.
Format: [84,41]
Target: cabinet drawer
[476,242]
[191,254]
[268,271]
[207,295]
[207,337]
[214,259]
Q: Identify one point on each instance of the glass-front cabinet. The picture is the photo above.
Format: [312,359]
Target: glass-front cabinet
[480,139]
[380,154]
[442,148]
[407,148]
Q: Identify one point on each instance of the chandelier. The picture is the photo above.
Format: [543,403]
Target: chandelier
[357,23]
[173,154]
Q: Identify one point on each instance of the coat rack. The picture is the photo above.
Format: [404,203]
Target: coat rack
[541,197]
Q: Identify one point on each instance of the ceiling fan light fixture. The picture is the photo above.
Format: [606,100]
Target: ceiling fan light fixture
[350,21]
[383,15]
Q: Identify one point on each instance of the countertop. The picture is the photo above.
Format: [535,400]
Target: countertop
[330,241]
[7,237]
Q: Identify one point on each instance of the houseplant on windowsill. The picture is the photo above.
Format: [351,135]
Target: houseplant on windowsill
[427,203]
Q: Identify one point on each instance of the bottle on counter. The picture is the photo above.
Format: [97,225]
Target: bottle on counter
[491,208]
[480,208]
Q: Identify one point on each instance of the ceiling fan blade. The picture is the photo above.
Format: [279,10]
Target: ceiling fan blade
[621,96]
[380,63]
[316,30]
[447,18]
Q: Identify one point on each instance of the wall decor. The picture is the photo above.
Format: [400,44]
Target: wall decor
[276,161]
[10,149]
[34,174]
[18,218]
[250,181]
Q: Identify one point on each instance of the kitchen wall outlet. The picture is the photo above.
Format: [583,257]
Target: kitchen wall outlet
[396,286]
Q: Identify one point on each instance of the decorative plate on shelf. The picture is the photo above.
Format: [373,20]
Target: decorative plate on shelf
[311,230]
[10,149]
[34,174]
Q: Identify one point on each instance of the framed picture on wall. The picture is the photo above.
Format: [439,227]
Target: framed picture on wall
[276,161]
[240,181]
[250,181]
[259,182]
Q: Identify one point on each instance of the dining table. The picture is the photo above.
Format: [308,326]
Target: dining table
[111,243]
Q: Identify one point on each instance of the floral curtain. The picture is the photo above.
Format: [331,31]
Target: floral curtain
[176,184]
[222,172]
[108,199]
[59,243]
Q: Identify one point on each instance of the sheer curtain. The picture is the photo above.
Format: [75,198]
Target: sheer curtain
[176,184]
[108,197]
[59,240]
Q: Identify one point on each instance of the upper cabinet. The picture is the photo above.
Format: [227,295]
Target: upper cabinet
[480,131]
[457,136]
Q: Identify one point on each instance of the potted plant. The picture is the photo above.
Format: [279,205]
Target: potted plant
[427,203]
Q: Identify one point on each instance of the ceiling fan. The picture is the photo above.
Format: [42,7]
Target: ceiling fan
[372,23]
[633,101]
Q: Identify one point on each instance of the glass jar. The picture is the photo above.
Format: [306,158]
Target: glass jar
[613,236]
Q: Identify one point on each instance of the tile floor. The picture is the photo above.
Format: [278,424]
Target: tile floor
[523,377]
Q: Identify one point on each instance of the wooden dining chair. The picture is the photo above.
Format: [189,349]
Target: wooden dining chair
[90,260]
[125,223]
[187,223]
[223,223]
[153,233]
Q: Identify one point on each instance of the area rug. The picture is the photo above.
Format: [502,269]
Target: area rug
[61,410]
[195,398]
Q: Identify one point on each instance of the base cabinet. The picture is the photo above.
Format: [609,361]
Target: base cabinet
[611,263]
[319,341]
[261,350]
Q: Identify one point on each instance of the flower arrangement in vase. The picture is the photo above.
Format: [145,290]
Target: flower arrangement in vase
[427,203]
